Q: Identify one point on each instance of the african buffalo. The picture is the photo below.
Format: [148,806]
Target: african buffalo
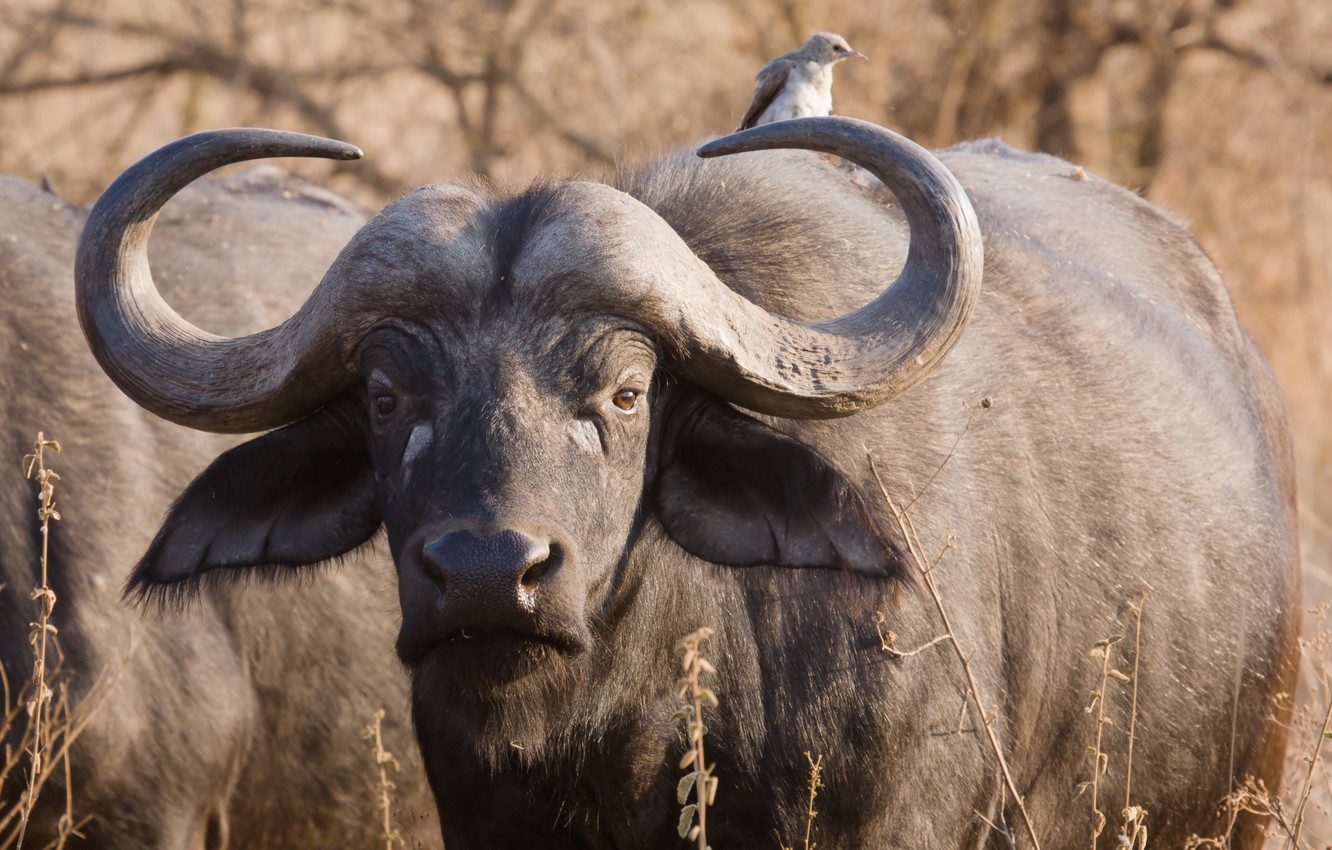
[593,420]
[238,725]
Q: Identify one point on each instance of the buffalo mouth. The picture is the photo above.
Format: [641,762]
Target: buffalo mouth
[496,652]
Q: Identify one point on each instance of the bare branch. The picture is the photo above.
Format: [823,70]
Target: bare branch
[92,78]
[36,40]
[916,550]
[589,146]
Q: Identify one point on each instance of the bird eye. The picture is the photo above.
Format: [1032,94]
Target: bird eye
[626,400]
[384,403]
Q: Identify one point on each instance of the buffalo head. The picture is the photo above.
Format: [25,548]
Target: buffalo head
[511,386]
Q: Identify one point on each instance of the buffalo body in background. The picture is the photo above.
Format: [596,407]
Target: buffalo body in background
[239,724]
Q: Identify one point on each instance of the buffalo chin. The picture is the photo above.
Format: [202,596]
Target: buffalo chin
[498,695]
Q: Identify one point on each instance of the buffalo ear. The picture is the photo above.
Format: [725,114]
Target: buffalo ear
[733,491]
[291,498]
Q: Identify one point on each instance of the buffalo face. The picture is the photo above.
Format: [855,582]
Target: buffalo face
[512,449]
[508,463]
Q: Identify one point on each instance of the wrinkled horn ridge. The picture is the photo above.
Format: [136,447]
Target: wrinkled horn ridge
[163,362]
[866,357]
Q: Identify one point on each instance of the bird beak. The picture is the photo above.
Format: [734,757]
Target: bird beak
[856,54]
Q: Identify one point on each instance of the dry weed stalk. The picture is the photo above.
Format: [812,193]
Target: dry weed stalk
[384,760]
[700,780]
[1252,797]
[888,639]
[1297,823]
[916,550]
[1100,761]
[52,723]
[65,723]
[1133,831]
[39,704]
[1133,827]
[815,783]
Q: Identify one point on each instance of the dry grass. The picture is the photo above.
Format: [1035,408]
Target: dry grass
[700,781]
[1301,817]
[1100,761]
[815,783]
[41,717]
[384,760]
[1133,831]
[38,707]
[1133,824]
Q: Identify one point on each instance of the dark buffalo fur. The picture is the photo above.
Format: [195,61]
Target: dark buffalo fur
[239,724]
[1132,446]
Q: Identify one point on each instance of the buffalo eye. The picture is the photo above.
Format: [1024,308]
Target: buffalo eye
[384,404]
[626,400]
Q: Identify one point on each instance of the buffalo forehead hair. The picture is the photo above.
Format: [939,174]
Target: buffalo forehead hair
[766,223]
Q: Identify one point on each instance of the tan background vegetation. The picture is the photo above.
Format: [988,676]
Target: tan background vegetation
[1218,110]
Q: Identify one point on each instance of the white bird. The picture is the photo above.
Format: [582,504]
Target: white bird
[799,83]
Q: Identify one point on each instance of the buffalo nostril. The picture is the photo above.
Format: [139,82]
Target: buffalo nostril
[543,561]
[435,569]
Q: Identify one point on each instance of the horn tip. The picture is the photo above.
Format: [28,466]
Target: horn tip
[792,133]
[776,134]
[719,147]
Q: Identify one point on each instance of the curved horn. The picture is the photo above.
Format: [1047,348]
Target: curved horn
[862,359]
[163,362]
